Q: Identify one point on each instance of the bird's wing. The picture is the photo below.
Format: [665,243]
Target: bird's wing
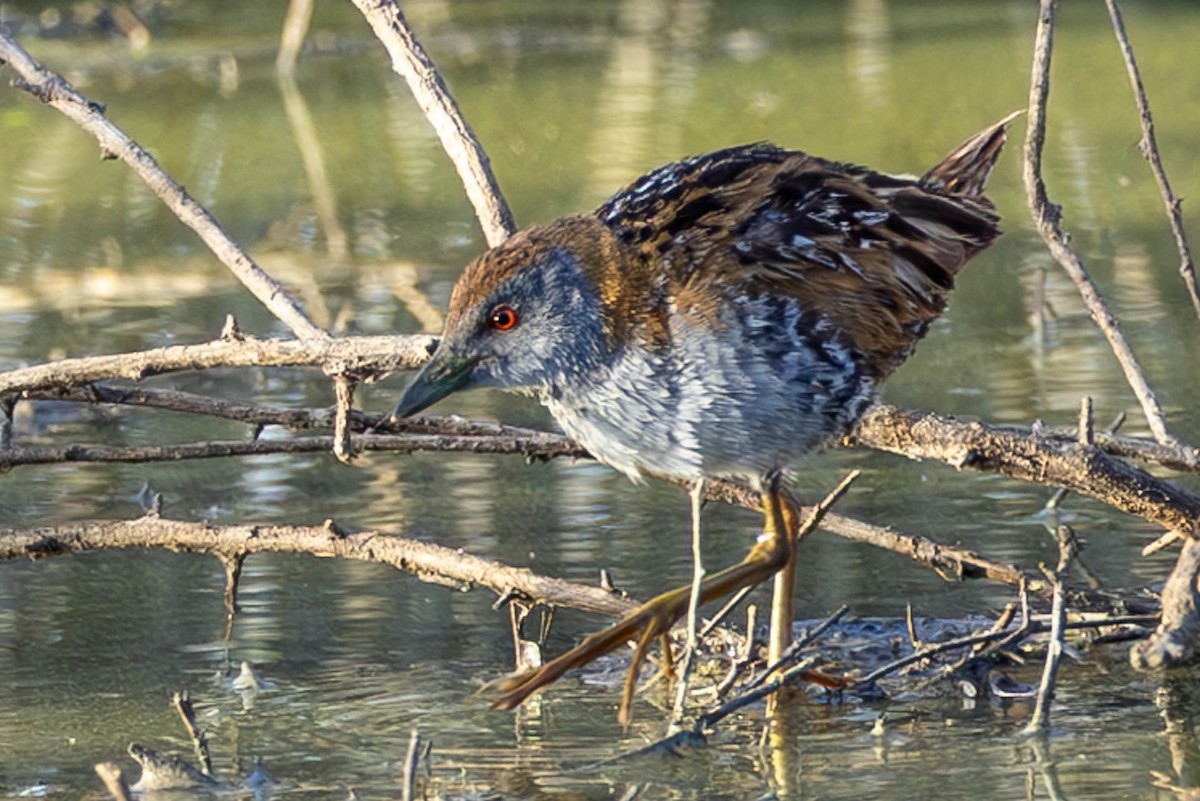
[873,254]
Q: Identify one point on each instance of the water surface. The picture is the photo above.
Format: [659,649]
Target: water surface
[572,100]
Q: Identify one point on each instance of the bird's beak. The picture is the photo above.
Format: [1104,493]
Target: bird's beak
[445,373]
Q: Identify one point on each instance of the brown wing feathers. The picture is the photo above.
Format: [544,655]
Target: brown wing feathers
[875,254]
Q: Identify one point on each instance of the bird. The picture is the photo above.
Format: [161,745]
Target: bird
[718,319]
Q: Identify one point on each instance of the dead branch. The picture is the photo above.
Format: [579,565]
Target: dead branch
[430,563]
[1149,147]
[1068,549]
[1024,455]
[411,62]
[1180,458]
[366,358]
[1046,216]
[182,703]
[1174,643]
[546,446]
[55,91]
[114,781]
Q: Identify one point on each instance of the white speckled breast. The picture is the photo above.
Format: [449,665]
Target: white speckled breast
[737,400]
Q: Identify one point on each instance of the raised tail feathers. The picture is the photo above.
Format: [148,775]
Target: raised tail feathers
[965,170]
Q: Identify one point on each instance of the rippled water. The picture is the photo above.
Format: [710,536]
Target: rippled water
[572,100]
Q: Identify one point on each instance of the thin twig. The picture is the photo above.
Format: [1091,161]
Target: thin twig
[696,494]
[1149,147]
[343,400]
[187,713]
[55,91]
[802,642]
[411,760]
[1031,457]
[745,659]
[1068,548]
[114,781]
[369,356]
[429,562]
[412,63]
[233,574]
[1061,493]
[1046,217]
[552,447]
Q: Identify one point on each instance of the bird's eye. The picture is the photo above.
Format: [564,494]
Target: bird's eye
[503,318]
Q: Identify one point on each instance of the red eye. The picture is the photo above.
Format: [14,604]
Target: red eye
[503,318]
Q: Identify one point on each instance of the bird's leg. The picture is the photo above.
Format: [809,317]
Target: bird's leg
[783,601]
[655,617]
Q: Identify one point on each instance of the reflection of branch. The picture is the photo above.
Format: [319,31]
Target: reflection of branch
[311,156]
[295,28]
[1046,217]
[1149,146]
[53,90]
[432,563]
[412,63]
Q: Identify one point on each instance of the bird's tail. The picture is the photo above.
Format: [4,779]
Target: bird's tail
[965,171]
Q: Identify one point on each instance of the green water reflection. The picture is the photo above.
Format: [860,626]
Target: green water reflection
[572,100]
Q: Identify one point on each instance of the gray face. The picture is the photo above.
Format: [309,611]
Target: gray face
[540,324]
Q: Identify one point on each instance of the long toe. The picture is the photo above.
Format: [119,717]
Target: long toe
[651,620]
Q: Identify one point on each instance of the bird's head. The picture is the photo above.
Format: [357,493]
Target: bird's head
[523,314]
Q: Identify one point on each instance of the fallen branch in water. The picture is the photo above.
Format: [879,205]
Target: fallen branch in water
[428,562]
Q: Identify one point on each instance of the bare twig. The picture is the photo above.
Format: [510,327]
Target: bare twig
[54,90]
[364,357]
[411,760]
[1088,471]
[1068,548]
[1149,146]
[1087,424]
[412,63]
[343,399]
[1060,494]
[693,611]
[428,562]
[1046,217]
[796,647]
[187,713]
[114,781]
[744,659]
[553,446]
[233,574]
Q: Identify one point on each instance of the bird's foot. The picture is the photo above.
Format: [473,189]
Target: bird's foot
[643,625]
